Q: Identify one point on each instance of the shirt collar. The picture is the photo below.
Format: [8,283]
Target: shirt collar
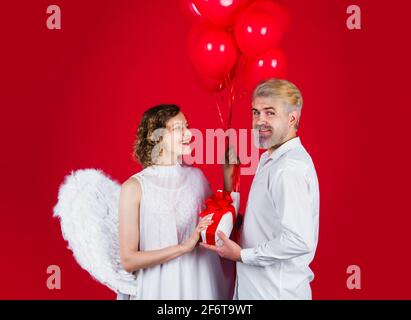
[284,148]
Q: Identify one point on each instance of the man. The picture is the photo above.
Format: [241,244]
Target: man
[279,235]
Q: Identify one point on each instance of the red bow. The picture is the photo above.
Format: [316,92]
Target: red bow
[219,204]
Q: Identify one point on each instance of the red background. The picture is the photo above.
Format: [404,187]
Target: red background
[72,99]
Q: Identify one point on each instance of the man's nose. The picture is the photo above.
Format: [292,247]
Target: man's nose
[261,120]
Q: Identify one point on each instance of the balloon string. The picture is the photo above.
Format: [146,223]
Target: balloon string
[220,115]
[226,98]
[229,101]
[235,180]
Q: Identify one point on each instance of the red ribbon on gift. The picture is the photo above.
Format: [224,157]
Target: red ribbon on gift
[219,204]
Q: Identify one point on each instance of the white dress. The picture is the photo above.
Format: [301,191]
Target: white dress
[172,198]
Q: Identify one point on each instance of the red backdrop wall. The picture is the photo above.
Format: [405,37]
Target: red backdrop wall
[72,99]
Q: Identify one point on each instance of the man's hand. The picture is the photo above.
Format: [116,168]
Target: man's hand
[230,159]
[229,250]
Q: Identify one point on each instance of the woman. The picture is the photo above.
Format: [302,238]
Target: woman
[158,216]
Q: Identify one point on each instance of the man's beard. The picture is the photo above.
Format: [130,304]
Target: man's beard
[275,139]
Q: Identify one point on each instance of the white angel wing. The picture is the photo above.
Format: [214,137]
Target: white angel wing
[88,210]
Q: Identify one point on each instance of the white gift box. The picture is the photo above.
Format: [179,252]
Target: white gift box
[226,223]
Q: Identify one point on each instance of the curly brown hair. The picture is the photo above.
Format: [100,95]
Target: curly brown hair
[153,119]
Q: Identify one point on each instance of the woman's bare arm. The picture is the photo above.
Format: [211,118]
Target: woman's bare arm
[132,258]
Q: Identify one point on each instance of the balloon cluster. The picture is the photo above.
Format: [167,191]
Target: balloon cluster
[233,44]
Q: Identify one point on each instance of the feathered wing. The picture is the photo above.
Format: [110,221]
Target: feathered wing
[88,211]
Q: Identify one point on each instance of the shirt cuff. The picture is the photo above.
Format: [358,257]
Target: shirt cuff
[247,255]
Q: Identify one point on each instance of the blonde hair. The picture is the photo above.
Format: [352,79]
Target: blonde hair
[283,90]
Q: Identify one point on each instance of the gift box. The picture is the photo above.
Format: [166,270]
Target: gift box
[223,208]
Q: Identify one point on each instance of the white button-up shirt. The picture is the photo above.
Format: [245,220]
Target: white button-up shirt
[280,230]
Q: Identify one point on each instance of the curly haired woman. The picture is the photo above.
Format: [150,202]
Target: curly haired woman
[158,216]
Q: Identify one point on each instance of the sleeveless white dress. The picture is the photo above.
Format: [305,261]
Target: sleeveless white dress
[172,198]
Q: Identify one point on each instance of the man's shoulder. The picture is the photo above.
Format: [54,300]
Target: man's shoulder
[296,162]
[296,159]
[290,166]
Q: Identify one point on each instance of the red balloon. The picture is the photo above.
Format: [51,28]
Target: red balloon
[271,64]
[190,9]
[212,51]
[222,13]
[260,27]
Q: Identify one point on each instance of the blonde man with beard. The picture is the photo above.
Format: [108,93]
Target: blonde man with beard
[280,230]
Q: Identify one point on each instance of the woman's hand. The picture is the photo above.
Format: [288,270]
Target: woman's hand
[191,242]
